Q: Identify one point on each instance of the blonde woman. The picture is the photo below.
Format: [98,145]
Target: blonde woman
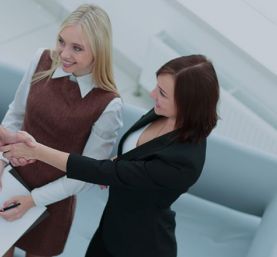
[67,99]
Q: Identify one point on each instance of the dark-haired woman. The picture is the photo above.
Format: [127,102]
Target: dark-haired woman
[159,158]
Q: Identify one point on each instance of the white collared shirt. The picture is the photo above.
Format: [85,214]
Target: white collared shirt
[99,144]
[85,82]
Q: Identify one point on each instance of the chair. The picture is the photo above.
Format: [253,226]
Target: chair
[10,78]
[231,211]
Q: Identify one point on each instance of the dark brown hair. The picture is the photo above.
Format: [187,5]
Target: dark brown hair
[196,95]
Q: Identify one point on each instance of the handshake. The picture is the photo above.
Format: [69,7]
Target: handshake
[17,147]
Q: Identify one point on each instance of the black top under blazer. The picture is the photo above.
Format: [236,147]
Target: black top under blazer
[144,182]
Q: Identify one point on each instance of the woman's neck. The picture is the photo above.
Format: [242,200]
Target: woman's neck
[166,125]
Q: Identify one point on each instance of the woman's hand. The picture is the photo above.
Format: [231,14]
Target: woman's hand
[8,137]
[15,162]
[26,203]
[19,153]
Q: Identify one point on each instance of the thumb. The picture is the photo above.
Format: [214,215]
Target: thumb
[10,201]
[23,136]
[30,143]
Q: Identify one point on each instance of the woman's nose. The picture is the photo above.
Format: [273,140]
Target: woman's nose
[65,53]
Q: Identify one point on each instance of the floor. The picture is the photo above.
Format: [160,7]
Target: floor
[29,26]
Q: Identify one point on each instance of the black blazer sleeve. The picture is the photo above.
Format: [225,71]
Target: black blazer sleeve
[169,169]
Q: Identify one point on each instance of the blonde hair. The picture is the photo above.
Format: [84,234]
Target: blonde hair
[96,26]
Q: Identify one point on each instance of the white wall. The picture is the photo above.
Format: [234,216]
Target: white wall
[135,22]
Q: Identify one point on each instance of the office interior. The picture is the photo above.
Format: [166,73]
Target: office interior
[240,38]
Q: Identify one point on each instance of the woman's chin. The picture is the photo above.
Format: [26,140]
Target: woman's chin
[156,110]
[66,69]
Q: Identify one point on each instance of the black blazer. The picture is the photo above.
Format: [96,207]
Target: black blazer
[144,182]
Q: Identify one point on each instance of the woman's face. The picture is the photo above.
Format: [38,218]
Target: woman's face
[163,95]
[74,51]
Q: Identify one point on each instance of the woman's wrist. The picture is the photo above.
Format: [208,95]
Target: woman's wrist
[41,152]
[50,156]
[31,202]
[37,152]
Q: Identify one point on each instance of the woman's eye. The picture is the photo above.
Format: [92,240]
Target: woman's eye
[161,93]
[77,48]
[61,42]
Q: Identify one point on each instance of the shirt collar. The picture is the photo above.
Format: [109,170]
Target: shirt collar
[85,82]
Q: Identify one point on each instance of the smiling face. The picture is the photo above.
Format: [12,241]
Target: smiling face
[74,51]
[163,95]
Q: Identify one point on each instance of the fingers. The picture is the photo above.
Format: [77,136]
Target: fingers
[14,161]
[7,154]
[14,151]
[5,148]
[10,151]
[9,202]
[23,136]
[13,213]
[17,153]
[18,211]
[10,137]
[20,161]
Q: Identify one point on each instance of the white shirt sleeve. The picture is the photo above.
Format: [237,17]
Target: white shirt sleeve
[99,146]
[14,117]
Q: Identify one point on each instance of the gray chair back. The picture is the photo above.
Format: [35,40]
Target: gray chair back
[237,176]
[10,78]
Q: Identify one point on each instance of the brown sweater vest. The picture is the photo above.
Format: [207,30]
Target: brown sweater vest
[57,116]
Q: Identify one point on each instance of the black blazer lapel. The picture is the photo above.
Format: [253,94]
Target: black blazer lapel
[148,147]
[144,120]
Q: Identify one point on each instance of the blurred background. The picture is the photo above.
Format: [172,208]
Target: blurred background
[238,36]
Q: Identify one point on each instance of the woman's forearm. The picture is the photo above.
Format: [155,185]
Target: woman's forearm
[53,157]
[36,151]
